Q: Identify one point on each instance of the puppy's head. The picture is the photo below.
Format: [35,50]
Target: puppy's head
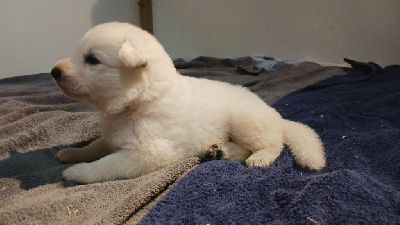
[116,65]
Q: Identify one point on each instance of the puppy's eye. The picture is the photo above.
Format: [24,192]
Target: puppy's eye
[91,60]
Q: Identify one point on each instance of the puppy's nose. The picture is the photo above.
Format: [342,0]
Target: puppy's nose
[56,73]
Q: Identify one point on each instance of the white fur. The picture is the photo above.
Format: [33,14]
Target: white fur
[152,116]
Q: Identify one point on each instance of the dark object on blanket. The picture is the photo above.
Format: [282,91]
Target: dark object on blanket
[357,116]
[214,152]
[244,64]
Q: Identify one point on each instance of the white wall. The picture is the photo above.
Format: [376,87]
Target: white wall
[36,33]
[328,31]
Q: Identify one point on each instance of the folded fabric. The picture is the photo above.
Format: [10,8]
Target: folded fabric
[357,117]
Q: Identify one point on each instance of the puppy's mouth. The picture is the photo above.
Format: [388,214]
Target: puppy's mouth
[72,90]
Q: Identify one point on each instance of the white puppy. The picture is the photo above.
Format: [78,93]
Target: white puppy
[152,116]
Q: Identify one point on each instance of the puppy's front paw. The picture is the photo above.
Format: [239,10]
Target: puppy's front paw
[215,152]
[67,155]
[78,173]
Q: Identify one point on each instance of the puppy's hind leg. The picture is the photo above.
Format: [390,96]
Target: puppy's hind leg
[263,142]
[265,156]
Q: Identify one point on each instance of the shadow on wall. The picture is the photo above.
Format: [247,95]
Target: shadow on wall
[117,10]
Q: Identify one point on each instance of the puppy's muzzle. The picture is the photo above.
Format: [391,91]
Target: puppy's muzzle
[56,73]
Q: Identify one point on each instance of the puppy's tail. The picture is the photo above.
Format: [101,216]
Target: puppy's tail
[305,145]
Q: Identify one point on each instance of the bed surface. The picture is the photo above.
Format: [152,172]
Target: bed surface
[357,116]
[359,184]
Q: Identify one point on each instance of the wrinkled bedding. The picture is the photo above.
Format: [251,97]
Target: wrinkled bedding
[358,119]
[36,121]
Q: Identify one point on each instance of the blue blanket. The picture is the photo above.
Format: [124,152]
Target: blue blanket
[358,119]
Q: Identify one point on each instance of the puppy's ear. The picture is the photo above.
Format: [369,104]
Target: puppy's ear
[131,57]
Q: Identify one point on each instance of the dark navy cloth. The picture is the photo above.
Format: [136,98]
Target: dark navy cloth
[358,118]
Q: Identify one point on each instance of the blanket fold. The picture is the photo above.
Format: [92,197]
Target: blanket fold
[357,117]
[36,121]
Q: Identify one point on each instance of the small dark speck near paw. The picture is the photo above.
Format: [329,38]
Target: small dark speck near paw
[219,154]
[212,153]
[209,156]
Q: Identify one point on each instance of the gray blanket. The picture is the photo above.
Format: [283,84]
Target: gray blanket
[36,121]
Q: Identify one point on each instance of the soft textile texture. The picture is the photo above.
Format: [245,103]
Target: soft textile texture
[358,118]
[36,120]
